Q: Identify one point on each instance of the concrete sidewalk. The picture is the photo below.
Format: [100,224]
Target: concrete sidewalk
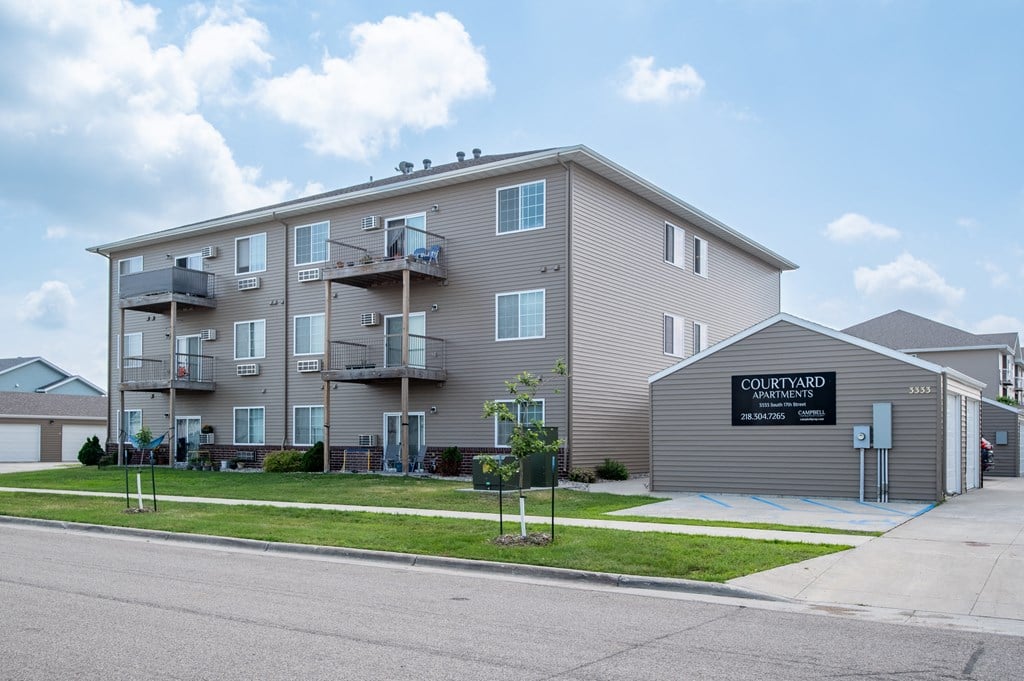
[964,557]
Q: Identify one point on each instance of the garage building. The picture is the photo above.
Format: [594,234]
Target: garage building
[772,410]
[1003,426]
[48,426]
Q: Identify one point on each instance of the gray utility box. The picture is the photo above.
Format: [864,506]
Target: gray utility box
[488,481]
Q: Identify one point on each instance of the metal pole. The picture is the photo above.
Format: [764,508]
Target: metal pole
[554,483]
[501,512]
[861,450]
[152,477]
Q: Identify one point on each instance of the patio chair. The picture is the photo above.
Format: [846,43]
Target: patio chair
[420,254]
[416,458]
[392,458]
[434,254]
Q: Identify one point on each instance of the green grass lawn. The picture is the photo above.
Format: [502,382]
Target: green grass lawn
[711,559]
[362,490]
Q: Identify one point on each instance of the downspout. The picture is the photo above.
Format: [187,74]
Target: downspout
[284,351]
[568,310]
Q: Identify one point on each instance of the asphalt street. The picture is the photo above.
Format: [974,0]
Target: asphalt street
[89,607]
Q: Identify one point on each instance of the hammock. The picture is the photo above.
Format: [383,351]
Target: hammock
[156,442]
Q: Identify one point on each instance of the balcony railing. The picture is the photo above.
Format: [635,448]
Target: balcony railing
[380,357]
[1019,383]
[177,280]
[379,256]
[1006,376]
[184,372]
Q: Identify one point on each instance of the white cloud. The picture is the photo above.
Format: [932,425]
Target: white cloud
[97,108]
[856,227]
[57,232]
[647,84]
[969,224]
[999,323]
[906,275]
[403,73]
[997,278]
[49,306]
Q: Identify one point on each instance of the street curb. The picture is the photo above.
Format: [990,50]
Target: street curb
[410,560]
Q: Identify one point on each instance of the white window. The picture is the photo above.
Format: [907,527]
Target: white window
[251,254]
[309,334]
[193,261]
[675,245]
[700,337]
[127,266]
[521,207]
[132,421]
[308,425]
[673,335]
[524,413]
[519,315]
[132,350]
[311,243]
[700,256]
[249,426]
[250,339]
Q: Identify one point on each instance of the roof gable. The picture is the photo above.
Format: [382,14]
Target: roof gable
[825,331]
[901,330]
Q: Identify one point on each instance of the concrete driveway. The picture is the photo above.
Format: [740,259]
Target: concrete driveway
[34,466]
[964,557]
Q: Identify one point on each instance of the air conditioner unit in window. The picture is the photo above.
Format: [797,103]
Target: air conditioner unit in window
[310,275]
[247,370]
[369,319]
[208,334]
[306,366]
[368,440]
[208,252]
[248,283]
[371,222]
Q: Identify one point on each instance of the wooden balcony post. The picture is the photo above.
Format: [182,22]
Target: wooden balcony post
[405,374]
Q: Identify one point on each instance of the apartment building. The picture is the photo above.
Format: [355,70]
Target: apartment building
[384,314]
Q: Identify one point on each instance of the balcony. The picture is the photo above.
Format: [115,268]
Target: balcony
[184,372]
[155,290]
[379,257]
[379,358]
[1019,383]
[1006,376]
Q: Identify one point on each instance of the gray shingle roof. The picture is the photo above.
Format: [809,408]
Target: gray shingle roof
[52,405]
[902,330]
[11,362]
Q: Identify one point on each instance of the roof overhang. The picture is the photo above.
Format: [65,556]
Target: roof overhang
[579,154]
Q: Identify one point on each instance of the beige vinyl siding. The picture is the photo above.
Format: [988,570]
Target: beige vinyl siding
[480,265]
[696,447]
[621,287]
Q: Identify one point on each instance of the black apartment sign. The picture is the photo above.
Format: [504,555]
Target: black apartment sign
[784,399]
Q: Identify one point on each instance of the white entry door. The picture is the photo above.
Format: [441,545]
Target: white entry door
[187,360]
[973,444]
[417,340]
[953,450]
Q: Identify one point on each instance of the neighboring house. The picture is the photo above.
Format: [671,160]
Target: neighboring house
[37,426]
[383,315]
[35,374]
[994,359]
[777,409]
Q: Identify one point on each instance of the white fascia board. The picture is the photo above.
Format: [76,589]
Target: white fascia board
[55,417]
[33,360]
[964,378]
[957,348]
[72,379]
[825,331]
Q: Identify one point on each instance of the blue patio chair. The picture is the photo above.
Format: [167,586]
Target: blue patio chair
[392,458]
[434,255]
[420,254]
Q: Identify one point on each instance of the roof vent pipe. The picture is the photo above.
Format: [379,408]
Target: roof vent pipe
[426,164]
[461,155]
[404,167]
[476,153]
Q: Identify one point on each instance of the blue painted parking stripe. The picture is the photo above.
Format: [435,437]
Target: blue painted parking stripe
[770,503]
[818,503]
[882,508]
[925,509]
[720,503]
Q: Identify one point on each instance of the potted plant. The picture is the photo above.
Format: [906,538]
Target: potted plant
[207,428]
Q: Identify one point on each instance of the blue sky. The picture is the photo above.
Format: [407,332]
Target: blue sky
[876,144]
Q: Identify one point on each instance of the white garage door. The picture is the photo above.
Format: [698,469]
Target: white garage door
[19,442]
[73,437]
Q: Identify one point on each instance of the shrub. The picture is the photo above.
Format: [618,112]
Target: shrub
[91,452]
[582,475]
[612,470]
[313,459]
[450,462]
[107,460]
[284,461]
